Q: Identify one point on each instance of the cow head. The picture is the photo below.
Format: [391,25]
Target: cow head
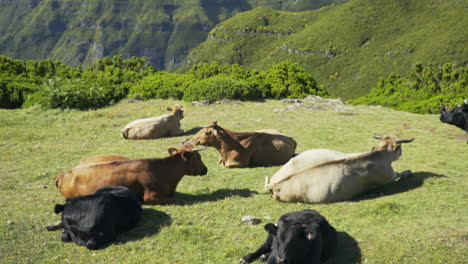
[391,144]
[177,110]
[209,135]
[192,159]
[454,116]
[295,239]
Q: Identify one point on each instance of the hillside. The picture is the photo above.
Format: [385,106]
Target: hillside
[346,47]
[80,32]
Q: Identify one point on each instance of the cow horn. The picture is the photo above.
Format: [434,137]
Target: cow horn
[209,126]
[458,105]
[200,149]
[465,101]
[183,141]
[377,136]
[404,141]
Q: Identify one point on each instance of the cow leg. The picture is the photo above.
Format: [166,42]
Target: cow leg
[233,164]
[152,199]
[55,226]
[403,174]
[264,251]
[66,237]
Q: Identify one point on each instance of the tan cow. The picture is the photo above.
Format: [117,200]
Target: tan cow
[154,181]
[265,147]
[167,125]
[325,176]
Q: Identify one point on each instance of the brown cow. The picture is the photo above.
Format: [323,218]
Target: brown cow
[265,147]
[154,181]
[86,161]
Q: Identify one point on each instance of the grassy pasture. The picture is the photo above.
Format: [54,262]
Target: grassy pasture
[421,219]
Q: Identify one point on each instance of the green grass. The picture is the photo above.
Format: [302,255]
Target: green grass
[421,219]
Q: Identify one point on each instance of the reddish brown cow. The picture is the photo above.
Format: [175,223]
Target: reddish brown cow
[154,181]
[265,147]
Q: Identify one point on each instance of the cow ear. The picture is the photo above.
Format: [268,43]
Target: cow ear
[172,151]
[271,229]
[186,155]
[169,109]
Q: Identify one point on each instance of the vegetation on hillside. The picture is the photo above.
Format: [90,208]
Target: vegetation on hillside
[55,85]
[422,91]
[79,33]
[346,47]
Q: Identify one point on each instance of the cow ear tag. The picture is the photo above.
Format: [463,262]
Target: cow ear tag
[310,236]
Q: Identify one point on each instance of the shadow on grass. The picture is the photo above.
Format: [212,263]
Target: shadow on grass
[401,185]
[347,250]
[188,199]
[150,224]
[191,131]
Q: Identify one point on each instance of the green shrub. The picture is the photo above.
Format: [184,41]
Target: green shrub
[288,79]
[422,91]
[14,89]
[220,87]
[161,85]
[75,93]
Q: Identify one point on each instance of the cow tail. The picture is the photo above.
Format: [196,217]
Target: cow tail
[58,208]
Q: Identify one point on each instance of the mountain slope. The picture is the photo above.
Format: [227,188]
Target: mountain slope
[80,32]
[347,47]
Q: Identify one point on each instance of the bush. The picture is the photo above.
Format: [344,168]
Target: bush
[76,93]
[422,91]
[14,90]
[161,85]
[289,80]
[220,87]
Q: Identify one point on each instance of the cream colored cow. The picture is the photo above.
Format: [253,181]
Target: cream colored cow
[167,125]
[325,176]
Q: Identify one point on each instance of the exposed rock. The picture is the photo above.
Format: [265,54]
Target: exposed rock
[291,101]
[227,101]
[318,98]
[251,220]
[207,102]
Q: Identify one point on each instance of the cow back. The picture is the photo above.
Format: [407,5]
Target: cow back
[95,220]
[271,148]
[150,128]
[320,176]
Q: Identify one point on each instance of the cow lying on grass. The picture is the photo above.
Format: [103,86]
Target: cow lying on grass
[154,181]
[266,147]
[167,125]
[86,161]
[95,220]
[325,176]
[458,116]
[303,237]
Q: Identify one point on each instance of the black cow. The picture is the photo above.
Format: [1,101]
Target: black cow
[300,237]
[95,220]
[458,116]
